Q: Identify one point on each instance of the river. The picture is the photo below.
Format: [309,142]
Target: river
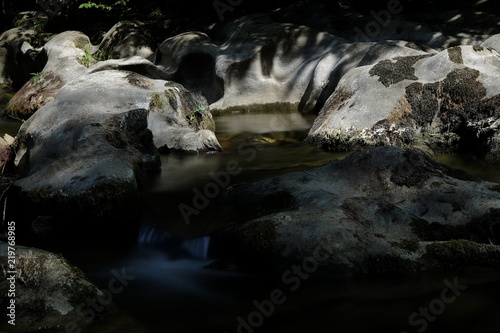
[171,290]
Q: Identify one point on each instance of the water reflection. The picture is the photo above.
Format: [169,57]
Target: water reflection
[472,165]
[262,123]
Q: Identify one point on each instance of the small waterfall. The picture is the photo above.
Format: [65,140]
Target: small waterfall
[174,246]
[149,235]
[197,247]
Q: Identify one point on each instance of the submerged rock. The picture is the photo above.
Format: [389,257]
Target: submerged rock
[447,102]
[84,157]
[49,292]
[381,210]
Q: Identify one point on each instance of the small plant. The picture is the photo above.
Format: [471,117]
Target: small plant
[38,27]
[95,5]
[38,77]
[200,108]
[102,55]
[88,58]
[120,4]
[191,117]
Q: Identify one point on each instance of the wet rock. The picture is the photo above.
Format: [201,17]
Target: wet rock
[446,102]
[378,211]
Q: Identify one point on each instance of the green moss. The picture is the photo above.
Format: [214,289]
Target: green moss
[278,107]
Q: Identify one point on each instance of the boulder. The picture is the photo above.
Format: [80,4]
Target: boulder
[259,60]
[65,53]
[18,58]
[492,42]
[49,291]
[82,159]
[69,55]
[255,61]
[382,210]
[125,39]
[447,102]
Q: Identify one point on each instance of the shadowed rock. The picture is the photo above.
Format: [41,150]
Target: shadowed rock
[381,210]
[86,155]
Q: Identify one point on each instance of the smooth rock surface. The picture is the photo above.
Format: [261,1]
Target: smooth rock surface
[447,102]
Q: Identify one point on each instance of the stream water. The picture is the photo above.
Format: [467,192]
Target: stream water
[170,290]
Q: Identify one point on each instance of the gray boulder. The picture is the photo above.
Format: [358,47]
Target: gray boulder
[492,42]
[17,57]
[49,292]
[258,60]
[70,54]
[85,155]
[254,61]
[446,101]
[125,39]
[381,210]
[65,52]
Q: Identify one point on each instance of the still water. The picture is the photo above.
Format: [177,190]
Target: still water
[173,291]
